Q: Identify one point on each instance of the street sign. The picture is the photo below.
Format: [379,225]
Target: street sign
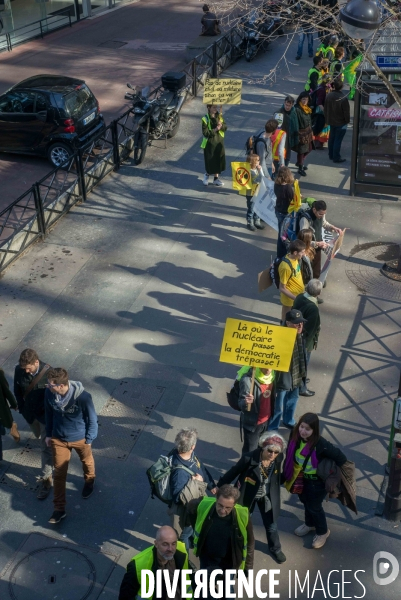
[388,62]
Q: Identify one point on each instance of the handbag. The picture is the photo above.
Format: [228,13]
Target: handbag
[295,485]
[305,136]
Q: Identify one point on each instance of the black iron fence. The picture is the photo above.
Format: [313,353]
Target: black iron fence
[36,29]
[30,217]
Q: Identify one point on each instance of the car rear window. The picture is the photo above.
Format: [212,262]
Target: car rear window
[79,102]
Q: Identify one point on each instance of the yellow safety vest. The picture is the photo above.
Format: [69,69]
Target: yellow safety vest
[324,50]
[144,560]
[242,517]
[319,81]
[276,139]
[206,120]
[333,66]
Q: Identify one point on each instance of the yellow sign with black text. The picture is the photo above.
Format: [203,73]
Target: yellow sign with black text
[257,345]
[222,91]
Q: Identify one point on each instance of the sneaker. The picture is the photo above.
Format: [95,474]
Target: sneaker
[15,433]
[251,226]
[206,179]
[340,160]
[320,540]
[57,516]
[45,488]
[258,224]
[279,556]
[218,182]
[298,57]
[303,530]
[88,489]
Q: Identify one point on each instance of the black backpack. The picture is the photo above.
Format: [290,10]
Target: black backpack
[274,270]
[233,396]
[250,144]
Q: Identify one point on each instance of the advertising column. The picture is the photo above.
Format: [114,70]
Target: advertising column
[379,137]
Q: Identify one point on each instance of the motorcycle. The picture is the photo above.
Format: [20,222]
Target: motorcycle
[257,31]
[157,118]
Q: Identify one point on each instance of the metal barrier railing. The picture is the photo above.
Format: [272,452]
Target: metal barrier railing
[29,218]
[35,29]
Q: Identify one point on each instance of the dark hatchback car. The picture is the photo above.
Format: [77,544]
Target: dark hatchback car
[51,116]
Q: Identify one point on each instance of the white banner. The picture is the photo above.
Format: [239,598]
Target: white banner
[265,203]
[334,241]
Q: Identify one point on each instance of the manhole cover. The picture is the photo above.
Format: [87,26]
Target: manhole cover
[112,44]
[45,568]
[363,269]
[52,572]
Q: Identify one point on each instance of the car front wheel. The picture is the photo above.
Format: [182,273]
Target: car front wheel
[59,154]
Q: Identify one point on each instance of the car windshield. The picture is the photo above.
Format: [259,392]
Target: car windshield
[79,102]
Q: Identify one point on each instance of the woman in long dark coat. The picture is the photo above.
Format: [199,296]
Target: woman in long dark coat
[6,420]
[258,476]
[305,141]
[213,130]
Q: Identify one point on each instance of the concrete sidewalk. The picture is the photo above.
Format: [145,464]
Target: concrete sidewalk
[136,43]
[130,292]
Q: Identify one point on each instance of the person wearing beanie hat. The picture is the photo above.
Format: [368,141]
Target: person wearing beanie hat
[257,476]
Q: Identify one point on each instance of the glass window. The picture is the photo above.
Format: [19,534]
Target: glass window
[80,101]
[41,103]
[17,102]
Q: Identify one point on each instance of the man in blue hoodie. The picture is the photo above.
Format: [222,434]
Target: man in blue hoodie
[71,423]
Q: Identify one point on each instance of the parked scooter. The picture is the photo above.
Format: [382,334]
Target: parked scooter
[157,118]
[257,32]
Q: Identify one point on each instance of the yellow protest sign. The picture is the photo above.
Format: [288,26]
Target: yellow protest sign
[242,178]
[257,345]
[222,91]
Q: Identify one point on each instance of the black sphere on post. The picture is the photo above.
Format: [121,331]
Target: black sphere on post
[360,18]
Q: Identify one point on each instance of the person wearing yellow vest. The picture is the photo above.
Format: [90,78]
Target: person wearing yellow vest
[258,478]
[223,532]
[336,67]
[306,450]
[166,553]
[314,74]
[278,142]
[213,130]
[328,47]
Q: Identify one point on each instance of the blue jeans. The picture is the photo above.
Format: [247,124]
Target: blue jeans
[250,215]
[185,535]
[302,37]
[281,249]
[284,406]
[336,136]
[312,496]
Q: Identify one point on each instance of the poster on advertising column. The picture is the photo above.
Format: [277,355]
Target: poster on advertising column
[379,137]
